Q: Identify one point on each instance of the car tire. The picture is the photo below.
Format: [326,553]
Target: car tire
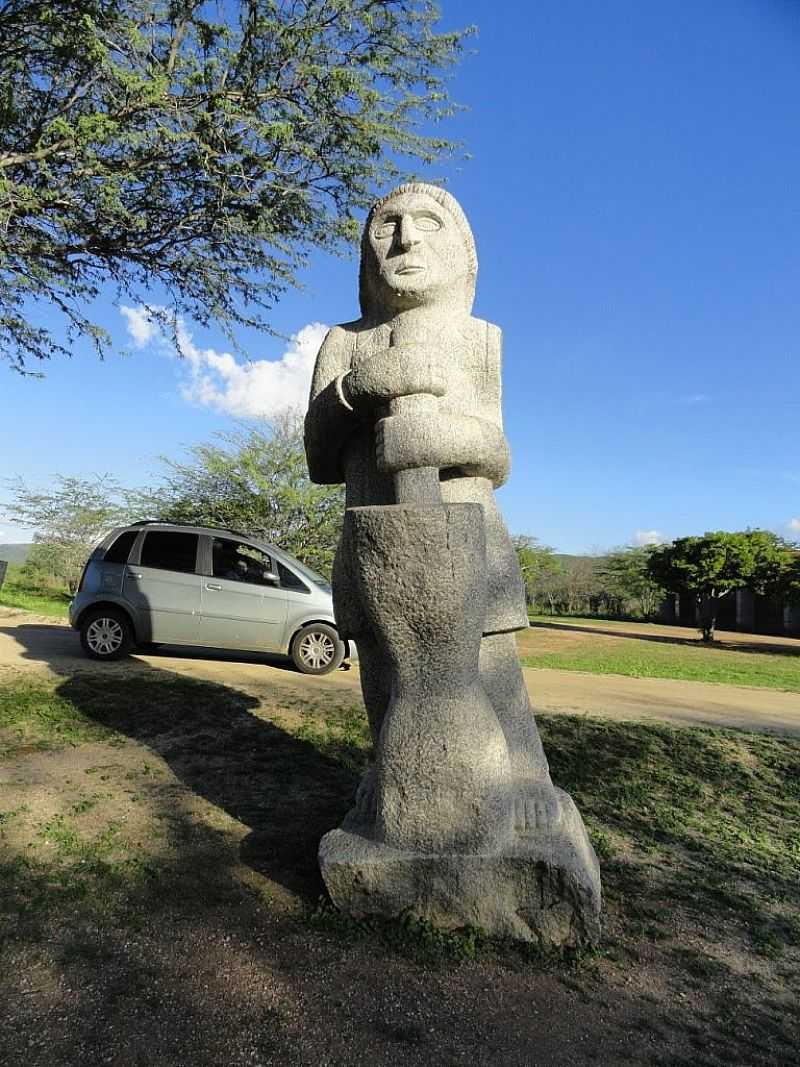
[317,649]
[106,634]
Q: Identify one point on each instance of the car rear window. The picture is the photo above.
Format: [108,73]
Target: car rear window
[121,548]
[170,551]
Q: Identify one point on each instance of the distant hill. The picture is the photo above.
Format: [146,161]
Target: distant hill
[566,560]
[14,553]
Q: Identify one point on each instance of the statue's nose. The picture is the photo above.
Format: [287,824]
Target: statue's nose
[409,236]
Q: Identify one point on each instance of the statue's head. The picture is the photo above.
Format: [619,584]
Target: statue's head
[416,249]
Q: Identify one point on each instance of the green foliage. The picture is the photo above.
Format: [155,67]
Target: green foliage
[573,586]
[626,577]
[257,482]
[791,576]
[713,565]
[69,519]
[41,594]
[537,563]
[204,149]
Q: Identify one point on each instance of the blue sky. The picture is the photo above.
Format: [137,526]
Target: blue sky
[633,188]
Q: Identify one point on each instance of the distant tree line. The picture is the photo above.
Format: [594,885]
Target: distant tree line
[616,584]
[633,581]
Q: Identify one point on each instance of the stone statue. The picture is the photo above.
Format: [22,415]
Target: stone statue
[457,819]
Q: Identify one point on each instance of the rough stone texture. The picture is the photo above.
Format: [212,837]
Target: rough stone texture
[457,820]
[443,760]
[542,887]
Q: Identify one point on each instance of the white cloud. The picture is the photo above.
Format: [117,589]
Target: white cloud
[694,399]
[649,537]
[262,388]
[793,524]
[140,324]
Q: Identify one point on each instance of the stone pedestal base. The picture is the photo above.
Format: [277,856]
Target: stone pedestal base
[541,885]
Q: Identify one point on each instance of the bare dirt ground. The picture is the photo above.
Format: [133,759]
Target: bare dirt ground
[238,977]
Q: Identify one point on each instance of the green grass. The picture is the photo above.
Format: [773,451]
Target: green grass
[701,821]
[17,592]
[33,716]
[643,658]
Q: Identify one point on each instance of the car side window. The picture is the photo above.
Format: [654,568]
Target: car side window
[119,551]
[289,580]
[239,562]
[170,551]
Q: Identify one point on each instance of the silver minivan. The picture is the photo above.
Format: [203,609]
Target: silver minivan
[156,583]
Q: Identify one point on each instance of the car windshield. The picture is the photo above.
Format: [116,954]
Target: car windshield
[307,572]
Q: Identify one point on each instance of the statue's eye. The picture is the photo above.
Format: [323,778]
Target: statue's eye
[427,223]
[385,228]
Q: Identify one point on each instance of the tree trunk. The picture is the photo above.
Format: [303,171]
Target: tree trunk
[708,607]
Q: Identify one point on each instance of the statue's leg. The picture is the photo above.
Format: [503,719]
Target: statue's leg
[353,624]
[375,675]
[375,687]
[536,800]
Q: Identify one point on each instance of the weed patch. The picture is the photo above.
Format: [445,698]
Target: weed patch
[33,716]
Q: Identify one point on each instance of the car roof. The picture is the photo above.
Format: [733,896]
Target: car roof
[209,531]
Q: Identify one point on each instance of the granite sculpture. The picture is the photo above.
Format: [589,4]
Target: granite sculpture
[457,819]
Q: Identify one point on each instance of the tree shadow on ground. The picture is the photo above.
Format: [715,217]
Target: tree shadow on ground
[776,649]
[282,788]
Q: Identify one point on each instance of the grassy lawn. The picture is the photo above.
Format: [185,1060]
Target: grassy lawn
[641,656]
[148,805]
[16,592]
[689,815]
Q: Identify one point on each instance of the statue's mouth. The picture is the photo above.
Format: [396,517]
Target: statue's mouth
[410,269]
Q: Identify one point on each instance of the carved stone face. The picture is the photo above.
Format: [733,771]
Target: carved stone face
[418,249]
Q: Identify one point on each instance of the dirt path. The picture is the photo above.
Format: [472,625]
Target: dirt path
[32,642]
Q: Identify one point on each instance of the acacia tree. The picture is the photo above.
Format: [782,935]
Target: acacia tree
[712,566]
[537,562]
[790,582]
[255,481]
[203,148]
[626,578]
[68,519]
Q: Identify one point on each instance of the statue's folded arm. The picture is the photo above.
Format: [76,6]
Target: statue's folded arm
[329,421]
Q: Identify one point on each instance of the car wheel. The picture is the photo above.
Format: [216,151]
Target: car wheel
[316,649]
[106,634]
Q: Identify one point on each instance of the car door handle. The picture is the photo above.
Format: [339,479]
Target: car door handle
[210,585]
[131,574]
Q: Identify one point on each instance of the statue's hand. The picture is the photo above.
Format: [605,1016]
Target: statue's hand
[418,439]
[403,370]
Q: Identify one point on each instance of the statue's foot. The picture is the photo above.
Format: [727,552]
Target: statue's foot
[536,810]
[366,801]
